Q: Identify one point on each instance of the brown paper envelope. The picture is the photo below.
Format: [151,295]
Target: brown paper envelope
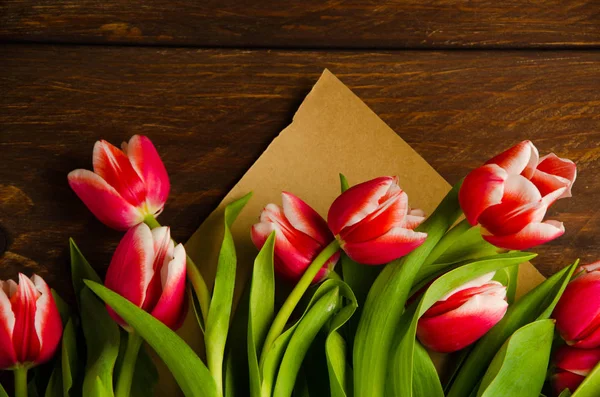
[332,132]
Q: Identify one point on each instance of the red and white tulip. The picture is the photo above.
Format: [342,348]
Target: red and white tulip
[572,366]
[577,313]
[149,270]
[510,194]
[374,223]
[463,316]
[300,235]
[126,186]
[30,325]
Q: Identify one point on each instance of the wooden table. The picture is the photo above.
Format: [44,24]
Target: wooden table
[213,82]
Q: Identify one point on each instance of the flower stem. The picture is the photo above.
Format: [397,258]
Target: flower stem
[20,382]
[193,274]
[292,300]
[134,342]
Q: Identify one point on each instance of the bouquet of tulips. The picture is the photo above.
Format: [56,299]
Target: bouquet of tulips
[377,300]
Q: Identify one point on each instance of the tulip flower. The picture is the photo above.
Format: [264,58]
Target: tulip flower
[573,365]
[300,235]
[30,327]
[510,194]
[463,316]
[373,222]
[149,270]
[126,186]
[577,313]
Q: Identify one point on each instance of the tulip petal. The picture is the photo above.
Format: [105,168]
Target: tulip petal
[112,165]
[48,324]
[131,267]
[171,305]
[463,326]
[302,217]
[566,380]
[356,203]
[492,288]
[521,205]
[519,159]
[577,361]
[392,245]
[577,313]
[530,236]
[8,356]
[290,261]
[163,254]
[25,340]
[476,282]
[391,213]
[482,188]
[548,183]
[103,200]
[148,164]
[564,169]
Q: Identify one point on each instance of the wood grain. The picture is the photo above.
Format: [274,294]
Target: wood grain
[382,24]
[212,112]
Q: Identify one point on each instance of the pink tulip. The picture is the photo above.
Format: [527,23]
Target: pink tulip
[300,235]
[573,365]
[149,270]
[463,316]
[373,222]
[510,194]
[577,313]
[30,326]
[126,185]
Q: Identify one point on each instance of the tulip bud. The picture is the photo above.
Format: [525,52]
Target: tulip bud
[374,223]
[463,316]
[149,270]
[572,366]
[510,194]
[300,235]
[30,325]
[126,185]
[577,313]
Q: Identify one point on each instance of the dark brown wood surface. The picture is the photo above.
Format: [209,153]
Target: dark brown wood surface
[212,112]
[308,23]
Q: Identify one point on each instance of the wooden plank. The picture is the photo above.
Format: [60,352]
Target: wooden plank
[212,112]
[382,24]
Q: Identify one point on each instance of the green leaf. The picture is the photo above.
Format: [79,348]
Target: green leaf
[344,183]
[426,382]
[237,382]
[386,300]
[261,310]
[567,393]
[189,371]
[301,386]
[590,385]
[402,363]
[102,341]
[335,345]
[80,270]
[270,364]
[519,367]
[63,309]
[3,392]
[537,304]
[54,387]
[217,324]
[69,358]
[509,277]
[195,303]
[145,376]
[303,335]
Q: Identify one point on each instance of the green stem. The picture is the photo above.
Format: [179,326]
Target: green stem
[193,273]
[20,382]
[134,342]
[447,241]
[292,300]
